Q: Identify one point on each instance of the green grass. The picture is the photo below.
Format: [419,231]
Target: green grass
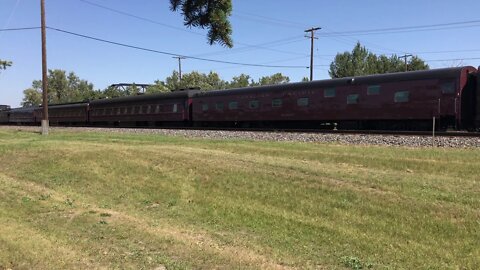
[99,200]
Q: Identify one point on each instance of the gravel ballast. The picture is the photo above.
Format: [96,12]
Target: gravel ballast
[354,139]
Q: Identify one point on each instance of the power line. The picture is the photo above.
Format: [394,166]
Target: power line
[168,53]
[260,46]
[451,51]
[454,59]
[406,29]
[338,39]
[178,28]
[192,57]
[140,18]
[19,29]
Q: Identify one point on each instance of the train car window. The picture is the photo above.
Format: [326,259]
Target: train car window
[219,106]
[302,102]
[373,90]
[401,96]
[149,109]
[137,109]
[144,109]
[157,109]
[277,102]
[254,104]
[175,108]
[117,111]
[448,88]
[329,92]
[204,107]
[352,99]
[233,105]
[108,111]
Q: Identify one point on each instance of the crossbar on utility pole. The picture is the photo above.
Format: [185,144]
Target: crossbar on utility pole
[45,123]
[405,56]
[312,37]
[179,65]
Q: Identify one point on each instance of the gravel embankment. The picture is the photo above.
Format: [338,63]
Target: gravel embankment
[360,139]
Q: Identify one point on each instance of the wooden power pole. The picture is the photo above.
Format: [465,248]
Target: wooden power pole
[179,66]
[45,123]
[312,37]
[405,56]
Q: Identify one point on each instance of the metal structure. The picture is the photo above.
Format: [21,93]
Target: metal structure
[124,86]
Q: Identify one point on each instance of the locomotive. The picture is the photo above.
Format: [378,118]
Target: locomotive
[448,97]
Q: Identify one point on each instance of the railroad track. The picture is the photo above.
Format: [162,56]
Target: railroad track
[293,130]
[339,132]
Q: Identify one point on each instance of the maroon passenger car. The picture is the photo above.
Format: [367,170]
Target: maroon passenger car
[145,110]
[407,100]
[65,114]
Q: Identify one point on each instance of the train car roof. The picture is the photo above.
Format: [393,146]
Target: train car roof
[24,109]
[146,97]
[66,105]
[370,79]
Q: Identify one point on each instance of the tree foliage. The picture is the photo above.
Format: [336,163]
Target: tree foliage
[65,88]
[212,81]
[4,64]
[62,88]
[363,62]
[210,14]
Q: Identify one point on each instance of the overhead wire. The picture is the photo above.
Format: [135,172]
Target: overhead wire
[167,53]
[19,29]
[9,19]
[228,62]
[250,46]
[429,27]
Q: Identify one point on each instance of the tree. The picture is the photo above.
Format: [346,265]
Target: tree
[195,79]
[210,14]
[277,78]
[158,87]
[4,64]
[243,80]
[32,97]
[363,62]
[62,89]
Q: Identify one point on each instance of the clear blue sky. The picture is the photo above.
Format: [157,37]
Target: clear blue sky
[274,27]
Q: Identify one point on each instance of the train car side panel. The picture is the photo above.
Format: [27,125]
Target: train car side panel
[409,96]
[65,114]
[154,109]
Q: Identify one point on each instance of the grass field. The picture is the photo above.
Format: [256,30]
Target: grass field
[99,200]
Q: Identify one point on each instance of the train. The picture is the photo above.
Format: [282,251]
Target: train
[443,99]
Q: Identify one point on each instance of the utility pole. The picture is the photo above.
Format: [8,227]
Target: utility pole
[45,122]
[405,56]
[312,37]
[179,65]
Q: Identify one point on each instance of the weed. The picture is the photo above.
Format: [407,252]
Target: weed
[44,197]
[69,202]
[355,263]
